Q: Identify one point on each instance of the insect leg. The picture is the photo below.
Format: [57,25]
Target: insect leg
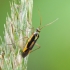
[36,48]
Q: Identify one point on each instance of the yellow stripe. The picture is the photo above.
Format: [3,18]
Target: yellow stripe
[30,38]
[25,48]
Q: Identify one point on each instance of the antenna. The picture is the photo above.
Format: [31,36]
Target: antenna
[49,23]
[40,18]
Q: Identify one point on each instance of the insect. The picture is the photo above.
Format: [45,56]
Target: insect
[33,39]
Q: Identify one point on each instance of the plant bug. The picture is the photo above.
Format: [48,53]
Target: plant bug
[33,39]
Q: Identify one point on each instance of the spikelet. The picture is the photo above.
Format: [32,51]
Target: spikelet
[16,28]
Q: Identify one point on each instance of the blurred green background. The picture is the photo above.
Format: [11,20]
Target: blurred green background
[54,40]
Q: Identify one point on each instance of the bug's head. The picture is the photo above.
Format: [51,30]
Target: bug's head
[38,30]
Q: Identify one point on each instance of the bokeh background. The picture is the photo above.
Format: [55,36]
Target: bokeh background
[54,40]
